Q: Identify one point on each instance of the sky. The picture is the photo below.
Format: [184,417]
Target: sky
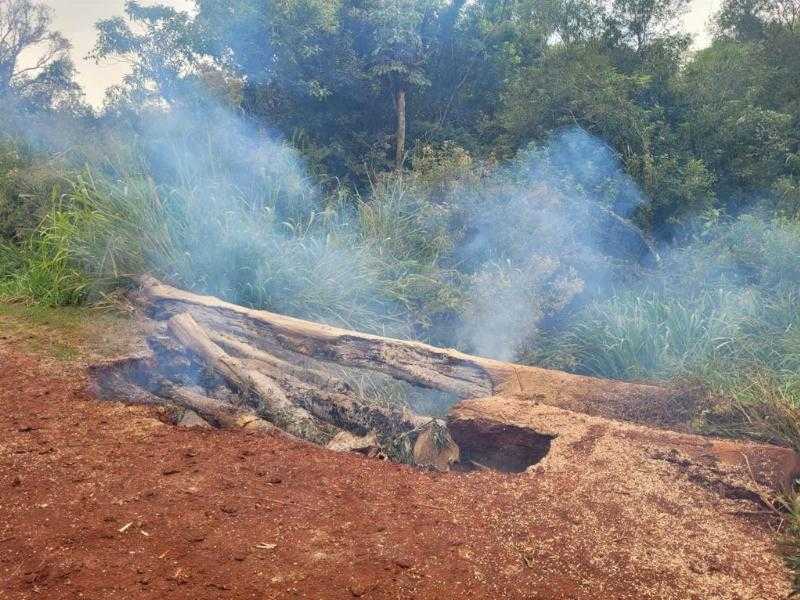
[76,19]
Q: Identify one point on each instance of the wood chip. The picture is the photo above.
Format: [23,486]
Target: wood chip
[125,527]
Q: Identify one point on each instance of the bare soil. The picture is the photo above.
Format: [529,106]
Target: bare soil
[100,500]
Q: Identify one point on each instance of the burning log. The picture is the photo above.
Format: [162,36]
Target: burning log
[238,367]
[284,413]
[258,333]
[218,413]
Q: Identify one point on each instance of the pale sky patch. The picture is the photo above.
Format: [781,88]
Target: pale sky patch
[697,20]
[76,20]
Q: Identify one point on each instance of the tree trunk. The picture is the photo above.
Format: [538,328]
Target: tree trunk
[241,368]
[283,412]
[463,375]
[218,413]
[400,138]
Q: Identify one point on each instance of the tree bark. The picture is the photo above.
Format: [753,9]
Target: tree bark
[283,413]
[400,137]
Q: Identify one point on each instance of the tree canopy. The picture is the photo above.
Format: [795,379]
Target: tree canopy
[34,59]
[362,88]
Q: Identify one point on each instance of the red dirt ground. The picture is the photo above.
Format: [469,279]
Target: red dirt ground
[100,501]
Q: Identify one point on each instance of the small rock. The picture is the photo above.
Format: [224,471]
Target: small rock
[274,480]
[16,482]
[170,471]
[404,562]
[191,419]
[358,589]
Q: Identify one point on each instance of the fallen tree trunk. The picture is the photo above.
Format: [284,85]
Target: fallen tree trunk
[447,370]
[218,413]
[230,383]
[512,434]
[242,368]
[323,394]
[120,379]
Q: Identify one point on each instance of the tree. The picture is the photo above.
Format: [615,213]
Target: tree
[394,52]
[337,76]
[159,45]
[752,19]
[640,22]
[740,101]
[573,20]
[25,29]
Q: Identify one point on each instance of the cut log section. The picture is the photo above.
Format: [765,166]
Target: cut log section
[241,368]
[514,434]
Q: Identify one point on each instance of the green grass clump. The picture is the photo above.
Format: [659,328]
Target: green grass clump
[41,269]
[653,335]
[333,264]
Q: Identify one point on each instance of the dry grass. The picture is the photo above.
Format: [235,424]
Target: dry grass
[69,334]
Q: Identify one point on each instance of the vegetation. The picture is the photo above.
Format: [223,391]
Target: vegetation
[560,182]
[565,183]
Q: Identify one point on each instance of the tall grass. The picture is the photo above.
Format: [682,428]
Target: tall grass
[649,334]
[42,269]
[363,264]
[723,311]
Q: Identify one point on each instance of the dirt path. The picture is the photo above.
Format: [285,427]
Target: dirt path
[104,501]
